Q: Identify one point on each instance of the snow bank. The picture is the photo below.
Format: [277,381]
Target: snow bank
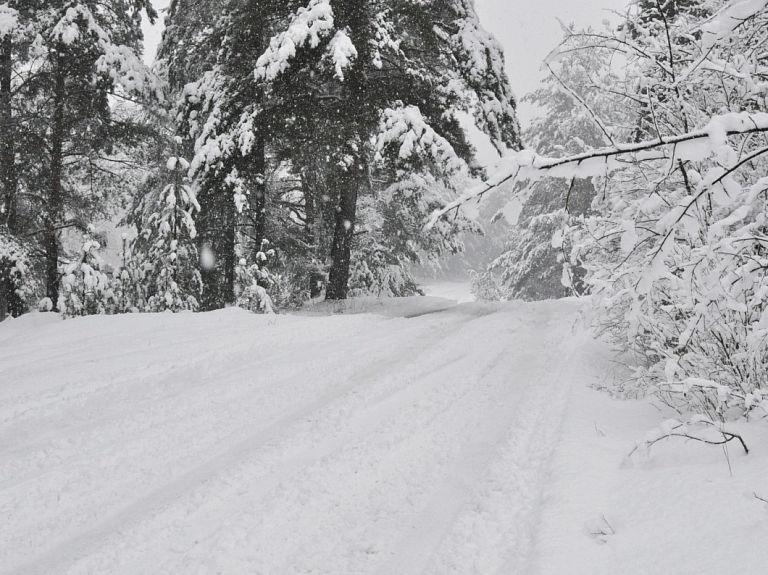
[675,509]
[403,307]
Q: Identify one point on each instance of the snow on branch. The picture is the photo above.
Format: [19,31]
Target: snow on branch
[341,51]
[9,20]
[699,428]
[406,127]
[308,26]
[526,165]
[733,15]
[119,62]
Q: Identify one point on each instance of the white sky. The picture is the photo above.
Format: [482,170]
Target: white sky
[528,29]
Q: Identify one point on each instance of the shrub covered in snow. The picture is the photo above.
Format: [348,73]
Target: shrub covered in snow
[14,277]
[165,246]
[86,284]
[253,280]
[485,287]
[128,281]
[674,245]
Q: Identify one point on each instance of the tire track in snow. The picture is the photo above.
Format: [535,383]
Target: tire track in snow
[366,372]
[344,512]
[417,463]
[121,412]
[493,533]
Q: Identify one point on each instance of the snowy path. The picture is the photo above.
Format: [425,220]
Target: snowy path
[231,443]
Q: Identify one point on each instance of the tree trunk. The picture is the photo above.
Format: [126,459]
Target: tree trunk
[54,206]
[259,196]
[8,175]
[353,15]
[3,298]
[338,277]
[316,277]
[227,252]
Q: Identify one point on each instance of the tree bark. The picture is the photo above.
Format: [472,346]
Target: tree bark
[54,204]
[311,211]
[3,299]
[259,197]
[227,252]
[338,277]
[216,232]
[8,174]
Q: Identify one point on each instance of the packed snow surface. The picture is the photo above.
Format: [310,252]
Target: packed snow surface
[459,440]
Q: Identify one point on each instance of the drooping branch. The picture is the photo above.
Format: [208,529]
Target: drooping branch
[526,165]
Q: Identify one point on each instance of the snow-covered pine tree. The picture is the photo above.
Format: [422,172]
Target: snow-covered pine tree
[86,284]
[128,281]
[15,280]
[165,248]
[574,103]
[218,97]
[191,40]
[253,279]
[12,41]
[74,67]
[329,78]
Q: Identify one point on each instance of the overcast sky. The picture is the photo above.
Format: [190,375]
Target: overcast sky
[528,29]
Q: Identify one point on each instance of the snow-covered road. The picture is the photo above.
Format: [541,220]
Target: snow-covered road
[233,443]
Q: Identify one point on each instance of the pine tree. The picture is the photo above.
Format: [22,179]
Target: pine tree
[86,287]
[15,281]
[308,91]
[165,249]
[573,106]
[75,67]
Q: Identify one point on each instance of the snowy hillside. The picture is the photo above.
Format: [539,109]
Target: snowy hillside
[464,440]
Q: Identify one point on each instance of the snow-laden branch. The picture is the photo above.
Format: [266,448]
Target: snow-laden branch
[729,18]
[119,62]
[406,129]
[526,165]
[9,19]
[309,25]
[341,51]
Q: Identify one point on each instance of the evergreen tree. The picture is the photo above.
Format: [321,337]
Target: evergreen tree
[86,287]
[574,105]
[348,100]
[74,67]
[165,248]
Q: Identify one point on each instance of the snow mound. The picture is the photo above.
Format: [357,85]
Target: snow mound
[403,307]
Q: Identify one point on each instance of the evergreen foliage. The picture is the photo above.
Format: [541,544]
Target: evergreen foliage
[165,247]
[15,280]
[331,127]
[86,284]
[71,71]
[283,124]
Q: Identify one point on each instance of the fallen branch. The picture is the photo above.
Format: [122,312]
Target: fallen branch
[727,436]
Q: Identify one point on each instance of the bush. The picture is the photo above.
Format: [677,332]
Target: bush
[14,277]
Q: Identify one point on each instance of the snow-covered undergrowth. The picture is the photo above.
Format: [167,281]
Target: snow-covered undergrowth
[668,228]
[400,439]
[682,507]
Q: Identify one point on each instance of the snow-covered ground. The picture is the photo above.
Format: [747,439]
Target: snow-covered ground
[461,440]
